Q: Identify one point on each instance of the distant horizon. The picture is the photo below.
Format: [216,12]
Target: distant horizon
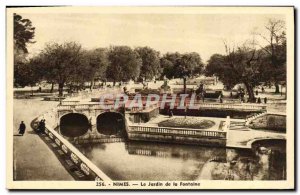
[201,33]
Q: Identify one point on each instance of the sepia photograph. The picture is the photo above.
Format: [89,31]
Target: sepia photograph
[150,98]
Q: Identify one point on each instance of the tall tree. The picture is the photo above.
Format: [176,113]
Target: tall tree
[275,38]
[182,65]
[95,63]
[150,62]
[240,65]
[125,64]
[23,34]
[189,65]
[27,74]
[168,62]
[61,63]
[215,66]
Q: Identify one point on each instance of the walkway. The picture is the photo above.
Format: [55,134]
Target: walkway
[33,159]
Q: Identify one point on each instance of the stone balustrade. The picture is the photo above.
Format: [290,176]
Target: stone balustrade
[76,105]
[84,164]
[252,118]
[177,131]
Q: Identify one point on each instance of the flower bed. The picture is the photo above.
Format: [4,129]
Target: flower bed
[194,123]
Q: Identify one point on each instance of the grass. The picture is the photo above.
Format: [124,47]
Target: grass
[270,122]
[194,123]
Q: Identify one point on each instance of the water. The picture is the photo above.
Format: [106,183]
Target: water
[158,161]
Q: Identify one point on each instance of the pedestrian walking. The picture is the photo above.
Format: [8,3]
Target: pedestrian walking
[22,128]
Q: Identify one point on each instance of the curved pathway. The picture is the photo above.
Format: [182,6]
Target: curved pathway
[33,159]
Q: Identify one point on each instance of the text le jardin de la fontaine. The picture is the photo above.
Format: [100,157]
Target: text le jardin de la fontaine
[149,183]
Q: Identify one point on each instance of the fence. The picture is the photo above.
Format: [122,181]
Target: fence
[85,165]
[177,131]
[75,105]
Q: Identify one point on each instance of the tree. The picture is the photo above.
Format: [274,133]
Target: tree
[182,65]
[189,65]
[240,65]
[150,62]
[168,62]
[95,63]
[275,50]
[61,63]
[125,64]
[23,34]
[215,66]
[27,73]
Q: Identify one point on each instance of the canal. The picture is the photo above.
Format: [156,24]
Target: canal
[159,161]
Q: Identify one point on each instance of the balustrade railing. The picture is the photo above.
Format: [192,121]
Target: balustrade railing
[85,165]
[77,106]
[177,131]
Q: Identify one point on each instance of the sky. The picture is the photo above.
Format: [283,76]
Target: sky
[202,33]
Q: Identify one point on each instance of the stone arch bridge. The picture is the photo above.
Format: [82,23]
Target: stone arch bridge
[90,122]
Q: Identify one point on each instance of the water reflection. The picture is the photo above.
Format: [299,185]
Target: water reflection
[157,161]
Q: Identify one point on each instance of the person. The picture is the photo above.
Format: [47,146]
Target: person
[263,90]
[22,128]
[258,100]
[125,89]
[170,113]
[231,94]
[39,126]
[221,95]
[42,126]
[256,92]
[265,100]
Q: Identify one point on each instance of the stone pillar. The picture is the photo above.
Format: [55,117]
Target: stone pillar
[227,123]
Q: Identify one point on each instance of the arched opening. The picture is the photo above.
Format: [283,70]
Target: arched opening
[74,125]
[272,156]
[111,123]
[274,144]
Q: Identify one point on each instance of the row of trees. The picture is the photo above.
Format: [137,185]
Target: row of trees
[251,63]
[68,63]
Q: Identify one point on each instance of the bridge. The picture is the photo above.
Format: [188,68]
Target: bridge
[91,122]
